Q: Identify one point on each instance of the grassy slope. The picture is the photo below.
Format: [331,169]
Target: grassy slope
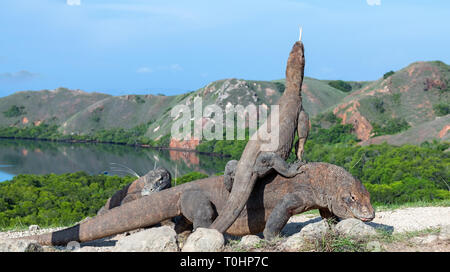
[401,96]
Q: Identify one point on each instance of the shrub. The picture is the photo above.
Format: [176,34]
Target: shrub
[14,111]
[341,85]
[441,109]
[388,74]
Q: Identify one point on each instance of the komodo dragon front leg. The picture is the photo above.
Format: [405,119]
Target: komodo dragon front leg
[289,205]
[265,163]
[197,208]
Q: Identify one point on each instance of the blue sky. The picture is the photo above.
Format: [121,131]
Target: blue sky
[137,46]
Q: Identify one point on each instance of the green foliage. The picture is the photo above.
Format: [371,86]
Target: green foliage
[96,115]
[336,134]
[442,109]
[390,126]
[341,85]
[14,111]
[139,100]
[231,148]
[164,141]
[388,74]
[378,104]
[44,131]
[188,177]
[280,86]
[55,200]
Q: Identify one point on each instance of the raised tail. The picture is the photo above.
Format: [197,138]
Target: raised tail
[139,213]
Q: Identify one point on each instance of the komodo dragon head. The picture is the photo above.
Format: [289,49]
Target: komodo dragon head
[351,198]
[155,181]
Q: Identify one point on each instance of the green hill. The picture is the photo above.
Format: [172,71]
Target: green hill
[413,101]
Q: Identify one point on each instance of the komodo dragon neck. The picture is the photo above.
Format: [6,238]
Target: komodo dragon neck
[290,105]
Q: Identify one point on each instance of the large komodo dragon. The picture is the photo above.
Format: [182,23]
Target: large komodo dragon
[326,187]
[254,162]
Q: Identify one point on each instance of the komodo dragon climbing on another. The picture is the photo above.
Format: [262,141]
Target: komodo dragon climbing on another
[255,163]
[322,186]
[154,181]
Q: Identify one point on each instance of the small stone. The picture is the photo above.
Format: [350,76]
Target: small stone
[73,246]
[34,228]
[250,241]
[294,243]
[425,240]
[374,246]
[11,245]
[445,233]
[315,231]
[355,228]
[162,239]
[204,240]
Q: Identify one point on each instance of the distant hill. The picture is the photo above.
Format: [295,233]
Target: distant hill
[413,101]
[416,97]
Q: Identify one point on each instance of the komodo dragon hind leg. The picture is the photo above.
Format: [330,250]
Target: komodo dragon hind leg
[302,131]
[281,214]
[267,161]
[197,208]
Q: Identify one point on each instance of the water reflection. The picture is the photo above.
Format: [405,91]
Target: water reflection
[38,157]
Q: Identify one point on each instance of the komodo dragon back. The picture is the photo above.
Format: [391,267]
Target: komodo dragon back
[290,105]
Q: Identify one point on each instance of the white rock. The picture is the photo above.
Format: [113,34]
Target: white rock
[10,245]
[355,228]
[374,246]
[73,246]
[315,231]
[204,240]
[250,241]
[309,233]
[445,232]
[162,239]
[425,240]
[34,228]
[294,243]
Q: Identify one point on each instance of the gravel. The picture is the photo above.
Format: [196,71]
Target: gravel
[396,221]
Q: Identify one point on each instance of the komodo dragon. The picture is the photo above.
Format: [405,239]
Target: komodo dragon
[255,163]
[326,187]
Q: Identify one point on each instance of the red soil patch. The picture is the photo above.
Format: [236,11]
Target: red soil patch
[444,131]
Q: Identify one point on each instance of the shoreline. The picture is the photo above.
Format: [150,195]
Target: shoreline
[124,144]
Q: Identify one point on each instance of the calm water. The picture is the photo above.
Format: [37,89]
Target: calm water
[36,157]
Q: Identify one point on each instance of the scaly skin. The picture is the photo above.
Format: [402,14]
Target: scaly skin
[154,181]
[290,106]
[320,186]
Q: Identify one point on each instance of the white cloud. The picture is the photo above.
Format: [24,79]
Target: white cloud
[171,67]
[18,76]
[374,2]
[74,2]
[144,70]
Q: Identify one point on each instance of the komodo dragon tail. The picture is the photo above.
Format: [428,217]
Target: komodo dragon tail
[143,212]
[244,180]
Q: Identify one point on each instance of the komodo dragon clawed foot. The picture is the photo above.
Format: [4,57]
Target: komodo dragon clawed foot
[268,161]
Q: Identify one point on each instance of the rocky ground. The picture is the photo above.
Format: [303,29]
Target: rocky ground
[409,229]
